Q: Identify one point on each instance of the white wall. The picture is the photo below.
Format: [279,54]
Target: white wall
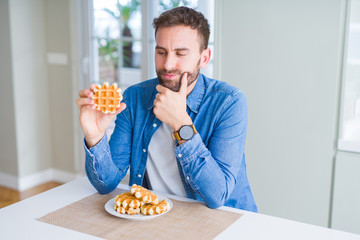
[57,30]
[8,150]
[285,56]
[37,126]
[30,85]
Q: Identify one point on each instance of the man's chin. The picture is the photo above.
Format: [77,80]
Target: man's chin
[173,85]
[172,88]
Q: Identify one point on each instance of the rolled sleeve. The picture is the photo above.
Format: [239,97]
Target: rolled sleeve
[97,150]
[190,150]
[100,169]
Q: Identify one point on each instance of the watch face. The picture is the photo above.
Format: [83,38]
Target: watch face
[186,132]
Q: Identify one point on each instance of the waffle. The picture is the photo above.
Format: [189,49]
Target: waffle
[107,98]
[127,203]
[144,195]
[128,210]
[127,200]
[140,200]
[151,209]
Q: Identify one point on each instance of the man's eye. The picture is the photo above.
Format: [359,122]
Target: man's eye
[161,53]
[181,54]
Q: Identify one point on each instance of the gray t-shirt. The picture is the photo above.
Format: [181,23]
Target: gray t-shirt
[161,165]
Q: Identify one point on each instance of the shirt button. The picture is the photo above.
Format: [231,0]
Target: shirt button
[154,125]
[144,150]
[179,155]
[187,178]
[139,175]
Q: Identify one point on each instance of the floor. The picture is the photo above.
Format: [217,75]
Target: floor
[9,196]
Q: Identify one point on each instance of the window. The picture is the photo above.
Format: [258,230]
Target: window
[123,42]
[116,41]
[350,106]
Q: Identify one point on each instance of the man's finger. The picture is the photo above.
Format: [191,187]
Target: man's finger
[92,86]
[85,93]
[184,83]
[160,88]
[121,108]
[84,101]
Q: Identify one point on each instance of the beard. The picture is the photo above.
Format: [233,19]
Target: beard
[174,85]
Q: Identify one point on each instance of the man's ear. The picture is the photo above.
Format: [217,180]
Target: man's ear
[205,57]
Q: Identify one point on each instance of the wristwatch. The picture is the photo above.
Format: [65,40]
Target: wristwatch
[185,133]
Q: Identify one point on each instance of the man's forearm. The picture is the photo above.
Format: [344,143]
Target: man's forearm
[212,180]
[100,169]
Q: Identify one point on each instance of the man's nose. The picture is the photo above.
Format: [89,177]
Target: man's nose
[170,62]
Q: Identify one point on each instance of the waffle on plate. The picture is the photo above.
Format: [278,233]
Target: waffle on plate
[140,200]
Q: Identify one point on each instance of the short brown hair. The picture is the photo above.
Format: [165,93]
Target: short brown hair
[188,17]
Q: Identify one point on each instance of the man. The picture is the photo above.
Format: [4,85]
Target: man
[207,119]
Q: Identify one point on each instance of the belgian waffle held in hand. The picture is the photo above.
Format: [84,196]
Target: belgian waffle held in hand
[140,200]
[107,98]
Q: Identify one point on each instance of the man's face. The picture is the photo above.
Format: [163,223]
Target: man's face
[177,51]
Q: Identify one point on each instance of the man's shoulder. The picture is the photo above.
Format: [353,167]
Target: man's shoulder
[222,88]
[223,96]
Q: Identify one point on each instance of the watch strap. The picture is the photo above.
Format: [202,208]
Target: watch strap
[175,136]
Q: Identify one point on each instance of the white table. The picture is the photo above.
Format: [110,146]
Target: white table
[18,221]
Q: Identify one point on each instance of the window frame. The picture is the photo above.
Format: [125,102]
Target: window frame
[343,144]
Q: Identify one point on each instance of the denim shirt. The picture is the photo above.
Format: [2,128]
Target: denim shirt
[211,164]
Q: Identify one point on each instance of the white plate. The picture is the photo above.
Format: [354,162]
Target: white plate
[109,207]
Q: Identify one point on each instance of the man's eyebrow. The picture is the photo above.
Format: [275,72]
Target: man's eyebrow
[176,49]
[182,49]
[158,47]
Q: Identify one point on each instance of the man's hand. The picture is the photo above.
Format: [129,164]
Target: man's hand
[93,122]
[170,106]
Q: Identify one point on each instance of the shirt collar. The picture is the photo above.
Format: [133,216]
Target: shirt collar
[193,100]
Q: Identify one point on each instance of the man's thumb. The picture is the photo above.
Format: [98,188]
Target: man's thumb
[184,83]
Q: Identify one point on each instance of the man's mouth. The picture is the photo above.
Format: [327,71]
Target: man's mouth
[168,76]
